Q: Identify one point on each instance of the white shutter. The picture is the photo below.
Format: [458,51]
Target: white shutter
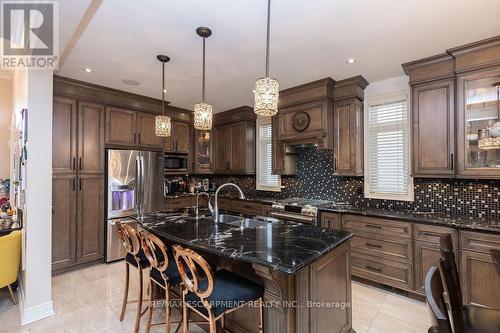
[387,147]
[265,179]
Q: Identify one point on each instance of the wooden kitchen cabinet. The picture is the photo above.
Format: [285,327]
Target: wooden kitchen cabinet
[131,129]
[234,141]
[146,136]
[64,214]
[121,126]
[479,274]
[90,138]
[432,82]
[331,221]
[90,220]
[433,120]
[203,152]
[179,140]
[64,132]
[78,182]
[348,137]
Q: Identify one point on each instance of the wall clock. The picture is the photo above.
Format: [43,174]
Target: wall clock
[300,121]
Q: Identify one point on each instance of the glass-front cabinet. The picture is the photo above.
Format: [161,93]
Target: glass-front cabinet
[203,152]
[479,124]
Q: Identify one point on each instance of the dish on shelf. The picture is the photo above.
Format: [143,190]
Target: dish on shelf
[472,137]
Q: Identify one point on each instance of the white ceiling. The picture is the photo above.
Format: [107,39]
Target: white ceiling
[310,40]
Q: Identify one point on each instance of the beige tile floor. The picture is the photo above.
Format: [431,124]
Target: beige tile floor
[89,300]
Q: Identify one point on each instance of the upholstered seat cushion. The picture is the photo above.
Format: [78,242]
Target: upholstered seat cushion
[230,291]
[143,261]
[480,319]
[172,273]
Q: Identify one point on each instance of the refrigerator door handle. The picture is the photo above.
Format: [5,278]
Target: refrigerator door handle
[138,184]
[142,183]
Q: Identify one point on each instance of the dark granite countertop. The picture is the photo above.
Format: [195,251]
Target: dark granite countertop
[454,221]
[284,246]
[263,200]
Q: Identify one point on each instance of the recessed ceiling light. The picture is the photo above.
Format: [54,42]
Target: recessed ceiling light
[164,90]
[351,60]
[87,70]
[131,82]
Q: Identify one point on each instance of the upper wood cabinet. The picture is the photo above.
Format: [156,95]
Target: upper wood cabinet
[146,136]
[179,141]
[433,115]
[131,128]
[64,135]
[234,141]
[90,138]
[433,121]
[348,133]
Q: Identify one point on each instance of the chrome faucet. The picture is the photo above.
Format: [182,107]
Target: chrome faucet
[215,213]
[208,200]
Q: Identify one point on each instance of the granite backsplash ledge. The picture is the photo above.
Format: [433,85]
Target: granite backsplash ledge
[315,180]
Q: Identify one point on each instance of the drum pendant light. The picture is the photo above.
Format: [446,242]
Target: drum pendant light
[163,123]
[266,88]
[202,110]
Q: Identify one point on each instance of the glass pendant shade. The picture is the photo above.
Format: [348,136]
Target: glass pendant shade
[266,96]
[163,126]
[203,116]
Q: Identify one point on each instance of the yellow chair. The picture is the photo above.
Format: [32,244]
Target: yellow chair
[10,258]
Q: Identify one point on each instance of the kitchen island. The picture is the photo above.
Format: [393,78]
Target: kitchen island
[305,269]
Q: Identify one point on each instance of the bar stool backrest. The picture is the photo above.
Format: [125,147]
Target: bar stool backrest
[156,251]
[190,264]
[129,238]
[434,293]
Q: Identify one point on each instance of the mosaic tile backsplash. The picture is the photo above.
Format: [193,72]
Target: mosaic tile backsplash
[315,180]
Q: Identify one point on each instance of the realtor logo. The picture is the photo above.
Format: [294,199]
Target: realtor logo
[30,35]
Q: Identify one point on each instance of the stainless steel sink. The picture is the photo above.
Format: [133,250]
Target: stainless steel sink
[241,222]
[228,219]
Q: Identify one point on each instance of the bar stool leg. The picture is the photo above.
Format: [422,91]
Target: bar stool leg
[185,316]
[125,295]
[167,310]
[261,313]
[212,323]
[223,323]
[151,288]
[139,304]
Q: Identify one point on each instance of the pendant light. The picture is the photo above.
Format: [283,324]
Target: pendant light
[202,110]
[266,88]
[163,123]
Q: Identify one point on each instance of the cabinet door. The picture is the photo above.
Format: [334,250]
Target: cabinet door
[64,212]
[222,149]
[426,256]
[348,138]
[181,137]
[331,221]
[90,225]
[203,152]
[121,127]
[238,149]
[278,147]
[479,276]
[64,120]
[90,138]
[433,129]
[146,136]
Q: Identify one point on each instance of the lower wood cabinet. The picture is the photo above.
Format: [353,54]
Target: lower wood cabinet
[77,219]
[331,221]
[480,278]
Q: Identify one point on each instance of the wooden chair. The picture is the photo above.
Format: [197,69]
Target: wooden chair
[465,318]
[434,293]
[163,274]
[212,295]
[136,258]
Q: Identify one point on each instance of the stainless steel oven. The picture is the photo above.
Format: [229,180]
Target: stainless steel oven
[176,163]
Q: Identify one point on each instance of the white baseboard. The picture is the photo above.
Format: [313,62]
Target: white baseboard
[34,313]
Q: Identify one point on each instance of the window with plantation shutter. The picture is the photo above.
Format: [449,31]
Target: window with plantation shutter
[387,168]
[266,181]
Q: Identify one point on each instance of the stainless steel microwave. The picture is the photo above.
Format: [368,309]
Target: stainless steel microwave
[176,163]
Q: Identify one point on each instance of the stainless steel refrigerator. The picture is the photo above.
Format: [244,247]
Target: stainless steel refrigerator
[135,185]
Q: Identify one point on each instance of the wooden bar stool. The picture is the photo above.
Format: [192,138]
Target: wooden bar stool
[136,258]
[163,274]
[212,295]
